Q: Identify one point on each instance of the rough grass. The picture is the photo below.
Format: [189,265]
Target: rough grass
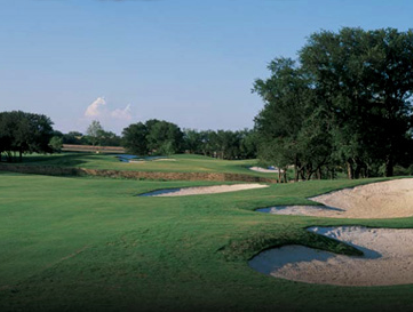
[90,244]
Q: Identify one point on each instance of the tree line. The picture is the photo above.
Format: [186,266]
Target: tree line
[22,133]
[344,104]
[163,137]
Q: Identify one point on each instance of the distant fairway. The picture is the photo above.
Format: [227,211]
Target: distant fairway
[83,244]
[183,163]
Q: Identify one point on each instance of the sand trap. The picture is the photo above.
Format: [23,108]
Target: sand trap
[387,260]
[204,190]
[259,169]
[390,199]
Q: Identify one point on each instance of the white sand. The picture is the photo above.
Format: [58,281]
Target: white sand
[204,190]
[390,199]
[387,260]
[259,169]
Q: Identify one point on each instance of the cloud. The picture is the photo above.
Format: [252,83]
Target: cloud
[123,114]
[95,109]
[99,110]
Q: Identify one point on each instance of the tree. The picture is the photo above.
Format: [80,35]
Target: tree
[192,141]
[134,139]
[163,133]
[22,132]
[56,144]
[288,99]
[94,132]
[364,80]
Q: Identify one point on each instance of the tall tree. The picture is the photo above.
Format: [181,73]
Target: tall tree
[94,132]
[288,99]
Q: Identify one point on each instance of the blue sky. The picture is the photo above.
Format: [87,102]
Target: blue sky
[187,61]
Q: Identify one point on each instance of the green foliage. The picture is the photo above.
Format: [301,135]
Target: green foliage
[164,136]
[56,144]
[346,105]
[94,132]
[22,132]
[134,139]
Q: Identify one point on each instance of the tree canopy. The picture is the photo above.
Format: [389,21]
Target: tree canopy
[22,132]
[346,103]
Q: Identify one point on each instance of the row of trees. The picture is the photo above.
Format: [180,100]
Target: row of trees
[22,132]
[224,144]
[167,138]
[95,135]
[346,103]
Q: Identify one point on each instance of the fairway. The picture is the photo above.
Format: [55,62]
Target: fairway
[92,244]
[181,163]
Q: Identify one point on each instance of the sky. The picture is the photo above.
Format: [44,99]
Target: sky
[191,62]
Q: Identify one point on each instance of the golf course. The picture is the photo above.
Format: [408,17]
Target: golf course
[206,156]
[93,244]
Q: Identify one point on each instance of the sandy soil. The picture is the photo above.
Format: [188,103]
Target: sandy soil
[390,199]
[387,260]
[259,169]
[204,190]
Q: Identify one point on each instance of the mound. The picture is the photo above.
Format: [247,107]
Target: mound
[387,260]
[391,199]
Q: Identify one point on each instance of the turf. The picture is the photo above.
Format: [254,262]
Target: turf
[183,163]
[90,244]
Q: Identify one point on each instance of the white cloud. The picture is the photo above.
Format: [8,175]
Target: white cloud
[123,114]
[95,109]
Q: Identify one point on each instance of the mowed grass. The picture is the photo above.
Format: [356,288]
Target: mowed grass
[182,163]
[90,244]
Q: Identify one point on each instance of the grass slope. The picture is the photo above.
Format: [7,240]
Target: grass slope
[89,244]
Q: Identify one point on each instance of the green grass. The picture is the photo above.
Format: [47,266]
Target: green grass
[90,244]
[183,163]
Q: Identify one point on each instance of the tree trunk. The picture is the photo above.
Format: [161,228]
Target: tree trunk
[302,174]
[279,175]
[20,156]
[309,172]
[319,173]
[295,169]
[350,170]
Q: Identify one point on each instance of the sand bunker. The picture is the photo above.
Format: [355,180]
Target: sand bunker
[390,199]
[259,169]
[387,260]
[204,190]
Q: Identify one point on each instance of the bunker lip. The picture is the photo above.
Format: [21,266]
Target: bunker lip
[386,259]
[198,190]
[389,199]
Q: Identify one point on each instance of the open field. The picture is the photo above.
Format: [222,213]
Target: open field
[183,163]
[88,244]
